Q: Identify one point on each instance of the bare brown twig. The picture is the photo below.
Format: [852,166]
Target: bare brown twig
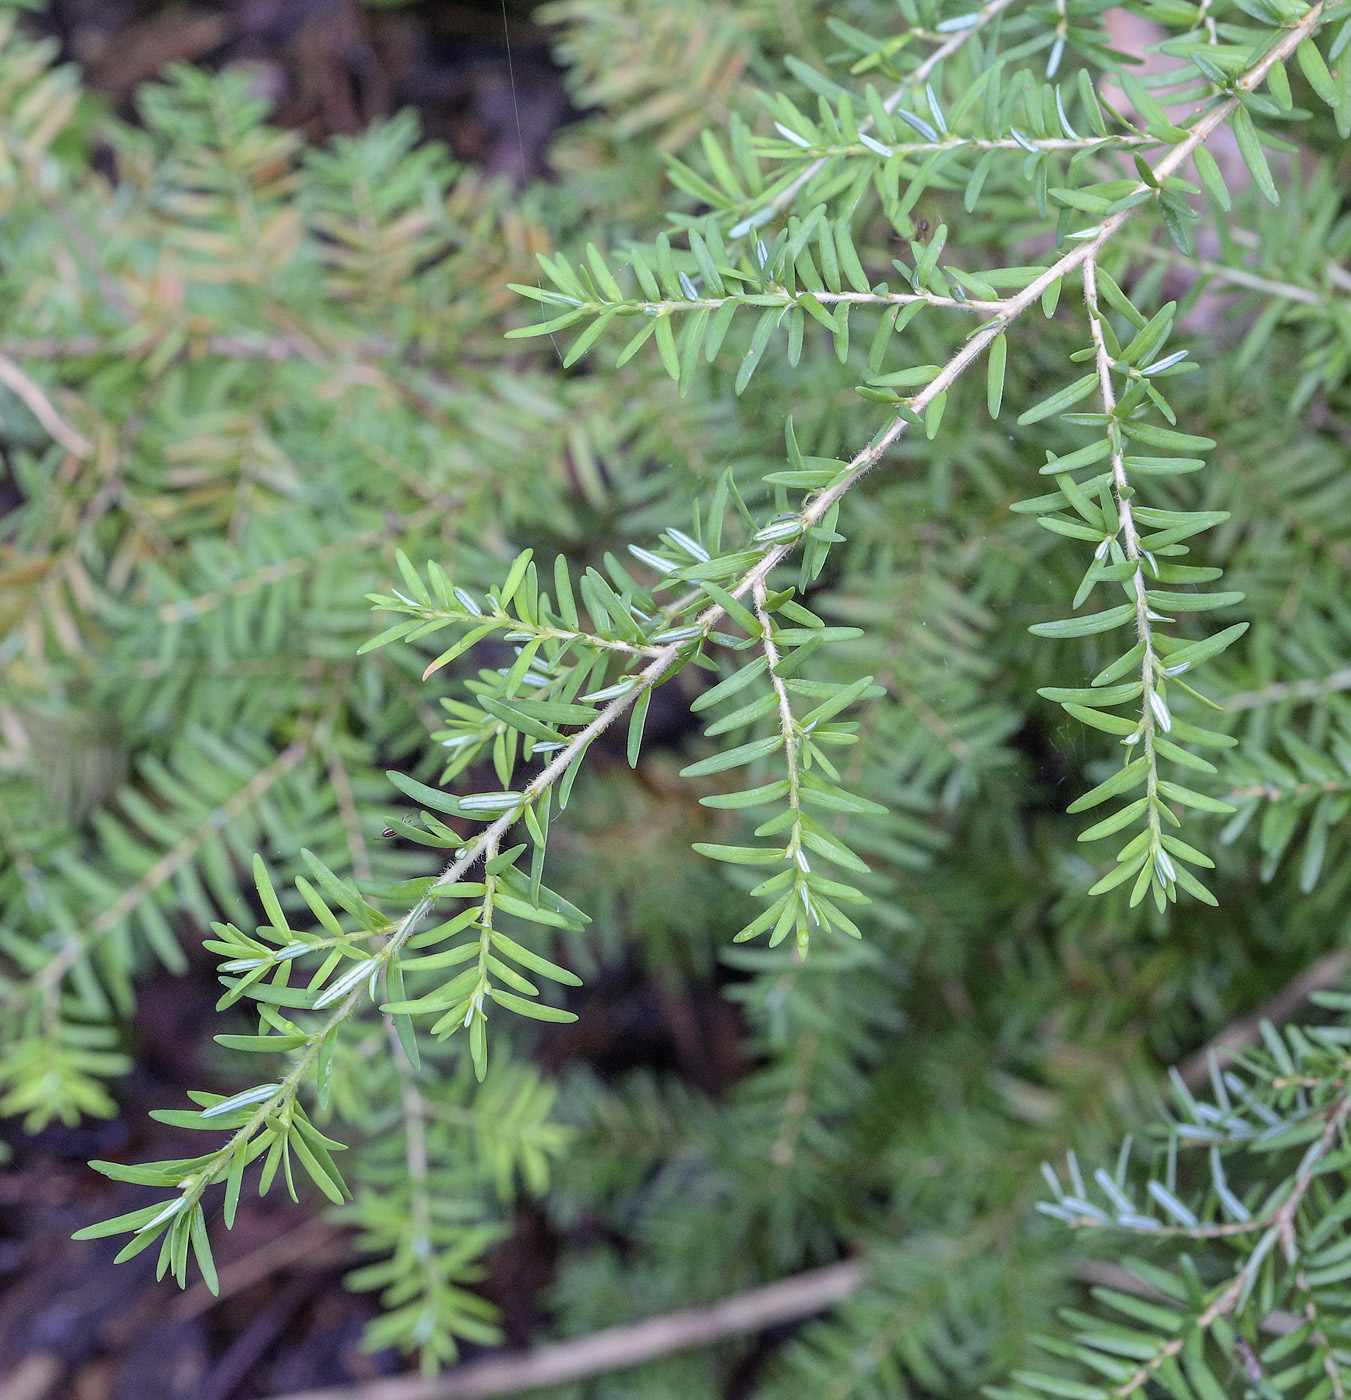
[615,1348]
[1326,972]
[31,395]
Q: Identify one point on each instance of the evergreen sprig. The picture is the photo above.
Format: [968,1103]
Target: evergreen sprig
[250,383]
[1269,1201]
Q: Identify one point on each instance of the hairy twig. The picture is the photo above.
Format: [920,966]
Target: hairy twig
[891,299]
[1130,543]
[1064,145]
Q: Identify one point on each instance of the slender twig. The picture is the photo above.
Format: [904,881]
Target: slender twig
[1312,688]
[1151,703]
[24,388]
[762,297]
[787,723]
[1030,144]
[795,1105]
[1223,272]
[1326,972]
[616,1348]
[1276,792]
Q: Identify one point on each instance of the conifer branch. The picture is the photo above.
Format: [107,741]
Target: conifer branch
[259,340]
[1278,1228]
[50,978]
[663,659]
[986,15]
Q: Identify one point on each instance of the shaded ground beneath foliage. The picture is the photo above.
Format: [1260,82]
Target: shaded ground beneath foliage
[75,1326]
[474,70]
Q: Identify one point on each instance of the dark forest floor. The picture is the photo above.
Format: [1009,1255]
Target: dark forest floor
[74,1326]
[332,66]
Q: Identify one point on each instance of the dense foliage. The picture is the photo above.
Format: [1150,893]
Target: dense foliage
[1087,365]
